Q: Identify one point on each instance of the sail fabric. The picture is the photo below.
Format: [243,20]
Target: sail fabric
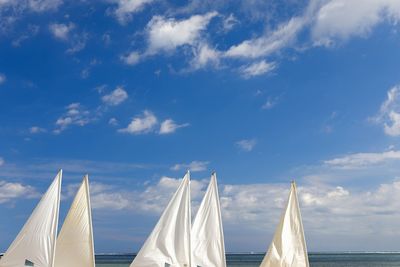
[75,241]
[35,243]
[288,248]
[169,243]
[207,232]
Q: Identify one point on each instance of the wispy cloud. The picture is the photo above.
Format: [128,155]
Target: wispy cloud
[246,144]
[194,166]
[389,113]
[1,161]
[67,32]
[2,78]
[170,126]
[270,103]
[360,160]
[257,68]
[116,97]
[126,8]
[37,130]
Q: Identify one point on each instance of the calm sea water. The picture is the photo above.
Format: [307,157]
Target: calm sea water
[253,260]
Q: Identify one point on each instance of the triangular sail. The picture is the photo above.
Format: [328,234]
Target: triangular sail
[207,232]
[288,248]
[35,243]
[169,243]
[75,241]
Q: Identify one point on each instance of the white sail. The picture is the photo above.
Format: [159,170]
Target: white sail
[35,243]
[75,241]
[169,243]
[207,232]
[288,248]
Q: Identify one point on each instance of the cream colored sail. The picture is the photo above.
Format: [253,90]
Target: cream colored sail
[35,243]
[169,243]
[288,248]
[207,233]
[75,241]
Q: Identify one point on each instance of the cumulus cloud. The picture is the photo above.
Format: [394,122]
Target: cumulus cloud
[116,97]
[10,191]
[246,144]
[166,34]
[170,126]
[113,121]
[194,166]
[141,124]
[257,68]
[360,160]
[76,114]
[389,113]
[131,58]
[126,8]
[341,19]
[61,31]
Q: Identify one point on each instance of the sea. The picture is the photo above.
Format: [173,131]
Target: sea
[342,259]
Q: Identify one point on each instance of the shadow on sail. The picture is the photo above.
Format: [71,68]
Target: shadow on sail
[75,241]
[207,233]
[35,244]
[169,243]
[288,247]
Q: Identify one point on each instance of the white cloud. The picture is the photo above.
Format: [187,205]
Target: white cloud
[116,97]
[342,19]
[204,55]
[10,191]
[389,113]
[141,124]
[131,58]
[36,130]
[229,23]
[169,126]
[44,5]
[246,144]
[194,166]
[113,121]
[2,78]
[257,68]
[360,160]
[269,43]
[125,9]
[61,31]
[1,161]
[76,114]
[166,34]
[271,102]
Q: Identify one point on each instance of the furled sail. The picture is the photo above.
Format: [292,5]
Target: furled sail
[288,248]
[169,243]
[75,241]
[35,243]
[207,232]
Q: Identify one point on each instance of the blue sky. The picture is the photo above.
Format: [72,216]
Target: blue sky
[134,92]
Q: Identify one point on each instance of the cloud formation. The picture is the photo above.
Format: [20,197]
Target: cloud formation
[246,144]
[116,97]
[141,124]
[170,126]
[194,166]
